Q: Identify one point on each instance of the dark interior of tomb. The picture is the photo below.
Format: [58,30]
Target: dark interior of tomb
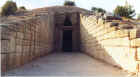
[67,40]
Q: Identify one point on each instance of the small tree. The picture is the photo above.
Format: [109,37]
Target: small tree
[69,3]
[123,11]
[22,8]
[99,10]
[9,8]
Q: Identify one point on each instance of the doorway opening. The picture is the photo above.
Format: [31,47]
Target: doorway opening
[67,40]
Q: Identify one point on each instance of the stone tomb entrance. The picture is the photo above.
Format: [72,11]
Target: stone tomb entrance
[67,40]
[67,31]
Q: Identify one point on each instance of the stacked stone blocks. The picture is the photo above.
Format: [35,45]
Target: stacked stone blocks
[22,42]
[110,44]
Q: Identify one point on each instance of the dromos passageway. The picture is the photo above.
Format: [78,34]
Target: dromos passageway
[27,41]
[67,64]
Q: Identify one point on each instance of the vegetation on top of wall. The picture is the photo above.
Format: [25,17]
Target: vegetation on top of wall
[9,8]
[99,10]
[124,11]
[22,8]
[69,3]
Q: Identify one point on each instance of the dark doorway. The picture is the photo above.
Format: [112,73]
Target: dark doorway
[67,40]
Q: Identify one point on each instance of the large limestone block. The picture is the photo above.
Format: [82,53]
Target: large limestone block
[133,33]
[3,62]
[26,48]
[135,42]
[26,42]
[107,36]
[13,27]
[115,34]
[24,58]
[116,42]
[5,46]
[138,33]
[19,42]
[5,34]
[20,35]
[27,36]
[121,33]
[18,49]
[18,60]
[11,61]
[111,29]
[138,54]
[27,58]
[124,56]
[13,44]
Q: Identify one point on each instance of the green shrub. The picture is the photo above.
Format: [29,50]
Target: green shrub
[99,10]
[69,3]
[9,8]
[123,11]
[22,8]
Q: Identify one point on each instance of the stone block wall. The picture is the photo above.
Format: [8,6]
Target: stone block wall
[25,40]
[119,47]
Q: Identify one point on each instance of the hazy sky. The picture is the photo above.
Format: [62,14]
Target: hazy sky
[108,5]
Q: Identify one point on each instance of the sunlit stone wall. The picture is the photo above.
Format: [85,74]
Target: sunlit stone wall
[118,47]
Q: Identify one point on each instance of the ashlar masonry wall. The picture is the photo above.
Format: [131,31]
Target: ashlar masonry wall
[119,47]
[23,41]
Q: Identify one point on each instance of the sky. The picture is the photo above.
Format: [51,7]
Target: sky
[108,5]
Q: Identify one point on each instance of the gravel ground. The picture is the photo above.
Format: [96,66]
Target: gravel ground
[67,64]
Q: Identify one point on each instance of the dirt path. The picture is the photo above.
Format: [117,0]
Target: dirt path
[67,64]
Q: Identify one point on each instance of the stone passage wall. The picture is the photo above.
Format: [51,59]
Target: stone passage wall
[119,47]
[25,40]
